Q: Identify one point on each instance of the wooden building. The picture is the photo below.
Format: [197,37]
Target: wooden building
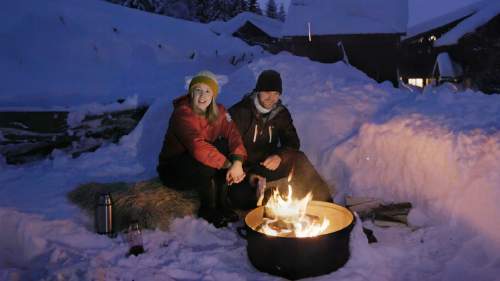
[366,34]
[253,29]
[469,36]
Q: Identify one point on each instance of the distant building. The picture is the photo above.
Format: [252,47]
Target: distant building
[365,34]
[253,29]
[467,39]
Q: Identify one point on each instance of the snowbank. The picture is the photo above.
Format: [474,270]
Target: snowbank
[439,152]
[72,52]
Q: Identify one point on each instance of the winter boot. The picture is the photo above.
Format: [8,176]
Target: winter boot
[369,235]
[208,207]
[223,203]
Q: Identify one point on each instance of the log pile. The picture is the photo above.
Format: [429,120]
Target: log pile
[31,136]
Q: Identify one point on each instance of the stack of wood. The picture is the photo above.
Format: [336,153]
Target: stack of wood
[380,213]
[286,227]
[31,136]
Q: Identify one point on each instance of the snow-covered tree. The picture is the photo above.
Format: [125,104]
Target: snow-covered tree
[271,9]
[208,10]
[193,10]
[183,9]
[254,7]
[153,6]
[281,13]
[144,5]
[240,6]
[230,8]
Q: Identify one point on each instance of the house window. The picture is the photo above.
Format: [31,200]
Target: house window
[419,82]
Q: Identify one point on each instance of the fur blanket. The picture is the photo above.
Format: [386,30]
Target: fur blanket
[149,202]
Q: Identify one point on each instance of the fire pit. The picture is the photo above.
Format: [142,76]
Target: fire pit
[286,250]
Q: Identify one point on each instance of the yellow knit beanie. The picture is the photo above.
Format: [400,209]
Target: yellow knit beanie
[208,78]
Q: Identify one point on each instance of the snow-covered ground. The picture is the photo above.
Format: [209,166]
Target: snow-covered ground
[439,149]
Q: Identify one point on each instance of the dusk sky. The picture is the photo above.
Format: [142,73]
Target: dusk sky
[420,10]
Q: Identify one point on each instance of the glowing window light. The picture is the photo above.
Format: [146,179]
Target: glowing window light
[419,82]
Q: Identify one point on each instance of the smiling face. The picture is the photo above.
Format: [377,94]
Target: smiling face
[268,99]
[202,96]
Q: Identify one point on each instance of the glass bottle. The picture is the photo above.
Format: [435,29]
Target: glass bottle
[134,239]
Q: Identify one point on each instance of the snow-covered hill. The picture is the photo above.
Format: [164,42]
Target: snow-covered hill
[69,52]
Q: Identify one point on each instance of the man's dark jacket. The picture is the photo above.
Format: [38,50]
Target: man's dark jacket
[265,134]
[274,133]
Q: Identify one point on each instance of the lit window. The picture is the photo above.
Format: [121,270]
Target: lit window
[419,82]
[432,38]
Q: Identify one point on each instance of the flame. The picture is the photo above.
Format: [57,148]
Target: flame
[290,175]
[290,214]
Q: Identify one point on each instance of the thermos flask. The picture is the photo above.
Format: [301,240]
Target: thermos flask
[104,214]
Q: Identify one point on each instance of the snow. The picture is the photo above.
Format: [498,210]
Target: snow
[270,26]
[334,17]
[446,18]
[447,67]
[71,52]
[481,17]
[457,184]
[438,149]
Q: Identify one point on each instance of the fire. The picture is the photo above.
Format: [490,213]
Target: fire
[286,216]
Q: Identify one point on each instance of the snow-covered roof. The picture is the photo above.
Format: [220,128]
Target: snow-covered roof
[327,17]
[446,18]
[485,14]
[447,67]
[270,26]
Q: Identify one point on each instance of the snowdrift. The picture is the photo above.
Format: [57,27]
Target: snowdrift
[70,52]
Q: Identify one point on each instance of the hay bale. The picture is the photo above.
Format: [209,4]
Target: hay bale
[150,203]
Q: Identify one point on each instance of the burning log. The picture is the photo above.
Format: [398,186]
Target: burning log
[284,228]
[285,216]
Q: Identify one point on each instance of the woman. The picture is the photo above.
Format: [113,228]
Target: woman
[203,149]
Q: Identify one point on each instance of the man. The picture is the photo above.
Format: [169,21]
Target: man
[272,144]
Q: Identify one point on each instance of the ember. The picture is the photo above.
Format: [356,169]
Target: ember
[287,217]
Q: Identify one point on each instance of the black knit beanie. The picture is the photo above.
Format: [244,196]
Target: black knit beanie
[269,80]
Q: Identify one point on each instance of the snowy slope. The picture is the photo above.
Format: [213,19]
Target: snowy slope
[69,52]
